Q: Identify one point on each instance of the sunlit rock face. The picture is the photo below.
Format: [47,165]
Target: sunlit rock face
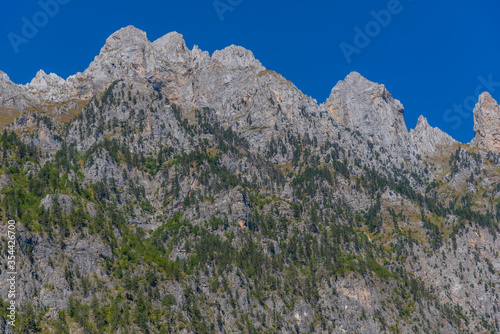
[428,140]
[369,108]
[487,124]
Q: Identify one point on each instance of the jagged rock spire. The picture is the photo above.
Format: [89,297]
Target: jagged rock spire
[369,108]
[487,123]
[428,139]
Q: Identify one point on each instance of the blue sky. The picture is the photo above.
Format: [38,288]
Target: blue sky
[432,56]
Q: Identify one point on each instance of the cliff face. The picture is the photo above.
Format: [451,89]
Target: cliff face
[369,108]
[428,140]
[168,190]
[487,124]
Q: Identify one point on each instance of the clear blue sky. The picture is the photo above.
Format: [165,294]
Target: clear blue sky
[430,55]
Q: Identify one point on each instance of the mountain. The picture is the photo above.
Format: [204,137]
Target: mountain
[428,140]
[167,190]
[364,106]
[487,124]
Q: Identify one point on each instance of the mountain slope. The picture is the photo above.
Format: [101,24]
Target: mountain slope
[164,190]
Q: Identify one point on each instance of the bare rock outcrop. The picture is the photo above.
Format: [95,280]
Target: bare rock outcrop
[207,183]
[429,140]
[369,108]
[12,96]
[487,124]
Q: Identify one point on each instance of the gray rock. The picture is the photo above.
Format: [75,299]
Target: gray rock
[64,201]
[487,124]
[429,140]
[369,108]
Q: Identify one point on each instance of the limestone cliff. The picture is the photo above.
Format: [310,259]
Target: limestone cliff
[487,124]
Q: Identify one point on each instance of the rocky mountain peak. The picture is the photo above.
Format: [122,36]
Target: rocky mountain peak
[42,81]
[4,77]
[422,122]
[346,95]
[234,57]
[126,55]
[369,108]
[127,36]
[355,78]
[245,179]
[49,87]
[428,139]
[11,94]
[173,47]
[487,123]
